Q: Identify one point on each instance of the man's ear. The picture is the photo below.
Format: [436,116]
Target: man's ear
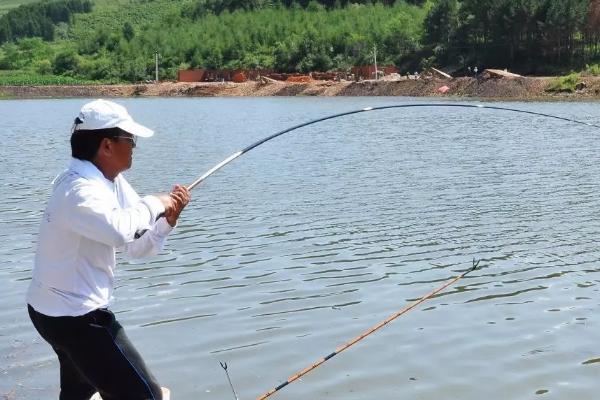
[105,149]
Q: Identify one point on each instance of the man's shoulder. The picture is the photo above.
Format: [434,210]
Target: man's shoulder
[65,177]
[72,183]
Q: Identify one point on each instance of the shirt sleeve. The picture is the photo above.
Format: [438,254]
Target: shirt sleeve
[92,211]
[151,241]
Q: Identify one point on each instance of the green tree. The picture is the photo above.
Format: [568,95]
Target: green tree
[65,62]
[11,59]
[441,23]
[128,32]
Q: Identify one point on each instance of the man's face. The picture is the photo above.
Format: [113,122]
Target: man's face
[122,151]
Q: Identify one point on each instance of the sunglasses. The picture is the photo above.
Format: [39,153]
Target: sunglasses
[132,139]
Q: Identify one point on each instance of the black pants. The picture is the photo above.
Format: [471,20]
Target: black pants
[95,355]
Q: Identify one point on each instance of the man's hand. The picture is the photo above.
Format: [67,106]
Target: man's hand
[180,197]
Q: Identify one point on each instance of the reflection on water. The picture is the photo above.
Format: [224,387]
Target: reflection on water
[309,240]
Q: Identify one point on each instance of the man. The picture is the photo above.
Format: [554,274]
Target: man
[92,212]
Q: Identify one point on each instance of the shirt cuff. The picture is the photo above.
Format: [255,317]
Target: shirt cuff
[155,206]
[163,228]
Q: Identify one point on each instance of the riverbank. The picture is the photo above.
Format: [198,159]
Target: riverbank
[521,88]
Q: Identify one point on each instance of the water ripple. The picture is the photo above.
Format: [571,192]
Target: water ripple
[319,235]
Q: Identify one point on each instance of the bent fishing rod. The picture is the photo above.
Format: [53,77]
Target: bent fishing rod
[368,332]
[422,299]
[367,109]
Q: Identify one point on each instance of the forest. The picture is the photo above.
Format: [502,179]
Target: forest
[116,40]
[39,19]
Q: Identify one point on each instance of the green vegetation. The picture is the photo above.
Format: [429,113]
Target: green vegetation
[593,70]
[529,36]
[7,5]
[39,19]
[22,78]
[117,40]
[567,84]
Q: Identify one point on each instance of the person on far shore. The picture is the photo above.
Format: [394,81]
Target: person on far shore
[92,212]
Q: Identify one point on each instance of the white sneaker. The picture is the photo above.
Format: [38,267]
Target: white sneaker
[166,393]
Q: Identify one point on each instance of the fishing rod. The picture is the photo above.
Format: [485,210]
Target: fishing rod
[338,115]
[368,332]
[367,109]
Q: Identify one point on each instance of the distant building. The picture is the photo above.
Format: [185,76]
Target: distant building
[368,71]
[219,75]
[190,75]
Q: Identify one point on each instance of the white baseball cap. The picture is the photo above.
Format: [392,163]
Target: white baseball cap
[104,114]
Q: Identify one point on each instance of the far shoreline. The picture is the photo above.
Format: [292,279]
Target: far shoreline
[499,89]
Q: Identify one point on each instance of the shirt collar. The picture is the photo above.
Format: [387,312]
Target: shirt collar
[88,170]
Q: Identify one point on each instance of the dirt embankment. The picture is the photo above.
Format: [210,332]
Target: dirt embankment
[522,88]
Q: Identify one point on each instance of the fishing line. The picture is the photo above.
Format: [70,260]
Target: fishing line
[367,109]
[224,366]
[422,299]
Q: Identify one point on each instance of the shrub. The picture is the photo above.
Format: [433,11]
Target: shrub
[65,62]
[43,67]
[566,84]
[593,69]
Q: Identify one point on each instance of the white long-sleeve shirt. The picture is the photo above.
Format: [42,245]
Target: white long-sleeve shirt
[87,218]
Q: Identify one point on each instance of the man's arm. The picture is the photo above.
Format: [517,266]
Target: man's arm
[152,241]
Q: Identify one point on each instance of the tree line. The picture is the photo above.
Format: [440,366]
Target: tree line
[528,36]
[199,8]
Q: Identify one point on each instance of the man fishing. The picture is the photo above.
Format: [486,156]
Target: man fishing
[92,212]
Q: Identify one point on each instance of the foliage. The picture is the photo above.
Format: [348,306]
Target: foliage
[26,52]
[38,19]
[565,83]
[7,5]
[118,39]
[273,37]
[65,63]
[128,32]
[592,69]
[525,35]
[21,78]
[199,8]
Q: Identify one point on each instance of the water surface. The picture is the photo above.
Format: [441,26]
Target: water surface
[309,240]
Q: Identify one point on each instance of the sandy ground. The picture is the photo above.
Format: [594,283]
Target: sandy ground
[523,88]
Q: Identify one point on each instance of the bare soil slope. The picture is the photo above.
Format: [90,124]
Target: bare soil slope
[523,88]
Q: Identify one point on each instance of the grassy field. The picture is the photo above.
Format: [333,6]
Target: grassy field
[6,5]
[19,78]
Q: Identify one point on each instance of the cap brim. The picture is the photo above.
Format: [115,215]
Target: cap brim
[135,129]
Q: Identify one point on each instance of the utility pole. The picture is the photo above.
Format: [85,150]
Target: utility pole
[156,66]
[375,60]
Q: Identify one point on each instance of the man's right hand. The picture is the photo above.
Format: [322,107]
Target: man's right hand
[174,203]
[180,197]
[166,200]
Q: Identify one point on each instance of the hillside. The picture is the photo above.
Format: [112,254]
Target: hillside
[6,5]
[81,41]
[112,15]
[117,40]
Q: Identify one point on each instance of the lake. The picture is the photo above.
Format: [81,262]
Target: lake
[312,238]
